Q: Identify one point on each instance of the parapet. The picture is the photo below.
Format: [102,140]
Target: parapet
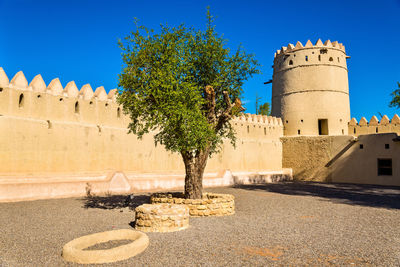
[374,126]
[259,119]
[55,87]
[53,102]
[318,44]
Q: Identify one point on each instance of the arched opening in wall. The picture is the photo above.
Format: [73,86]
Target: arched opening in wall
[301,121]
[265,131]
[354,130]
[290,62]
[376,129]
[119,113]
[306,58]
[21,101]
[343,131]
[331,59]
[77,107]
[298,132]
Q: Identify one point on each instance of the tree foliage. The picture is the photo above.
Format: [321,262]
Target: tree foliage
[395,97]
[264,109]
[184,85]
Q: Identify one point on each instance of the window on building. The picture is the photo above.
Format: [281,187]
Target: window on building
[298,131]
[385,167]
[319,57]
[387,146]
[306,58]
[76,107]
[118,112]
[290,62]
[323,127]
[331,59]
[361,146]
[21,101]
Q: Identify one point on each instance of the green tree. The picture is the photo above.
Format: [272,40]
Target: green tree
[185,86]
[264,109]
[395,103]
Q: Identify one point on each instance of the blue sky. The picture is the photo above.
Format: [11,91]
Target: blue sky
[77,40]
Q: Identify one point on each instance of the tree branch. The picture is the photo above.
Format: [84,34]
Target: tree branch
[229,111]
[210,97]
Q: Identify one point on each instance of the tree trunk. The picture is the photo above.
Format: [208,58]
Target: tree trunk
[194,167]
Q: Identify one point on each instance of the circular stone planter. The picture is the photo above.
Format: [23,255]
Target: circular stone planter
[74,250]
[210,205]
[162,217]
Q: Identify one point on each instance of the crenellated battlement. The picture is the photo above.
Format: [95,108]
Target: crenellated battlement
[319,44]
[259,119]
[55,87]
[53,102]
[374,126]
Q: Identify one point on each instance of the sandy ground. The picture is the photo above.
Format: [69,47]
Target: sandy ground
[297,224]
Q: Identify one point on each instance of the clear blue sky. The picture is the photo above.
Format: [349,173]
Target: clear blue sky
[77,40]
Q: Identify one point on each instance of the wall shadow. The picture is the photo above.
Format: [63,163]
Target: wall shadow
[115,201]
[352,194]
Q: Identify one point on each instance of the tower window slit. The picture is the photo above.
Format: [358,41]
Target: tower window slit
[77,107]
[21,101]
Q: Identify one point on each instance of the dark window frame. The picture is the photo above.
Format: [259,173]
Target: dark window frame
[385,167]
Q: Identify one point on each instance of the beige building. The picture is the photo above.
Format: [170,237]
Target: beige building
[59,141]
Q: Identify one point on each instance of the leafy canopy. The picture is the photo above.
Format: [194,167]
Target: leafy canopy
[180,83]
[395,103]
[264,109]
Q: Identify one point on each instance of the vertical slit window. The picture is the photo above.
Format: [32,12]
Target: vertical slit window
[21,101]
[77,107]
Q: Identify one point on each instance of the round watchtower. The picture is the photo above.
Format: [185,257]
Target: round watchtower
[310,89]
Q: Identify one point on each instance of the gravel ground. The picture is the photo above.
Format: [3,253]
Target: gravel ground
[293,224]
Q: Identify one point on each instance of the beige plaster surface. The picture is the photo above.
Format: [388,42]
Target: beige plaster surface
[74,251]
[314,86]
[340,159]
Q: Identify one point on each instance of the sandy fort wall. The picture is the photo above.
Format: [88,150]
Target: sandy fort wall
[343,159]
[66,134]
[310,83]
[374,126]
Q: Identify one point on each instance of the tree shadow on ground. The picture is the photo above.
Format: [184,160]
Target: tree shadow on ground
[353,194]
[115,201]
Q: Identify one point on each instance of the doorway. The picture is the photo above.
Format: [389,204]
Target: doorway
[323,127]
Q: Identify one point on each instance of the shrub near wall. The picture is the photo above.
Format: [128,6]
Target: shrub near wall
[210,205]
